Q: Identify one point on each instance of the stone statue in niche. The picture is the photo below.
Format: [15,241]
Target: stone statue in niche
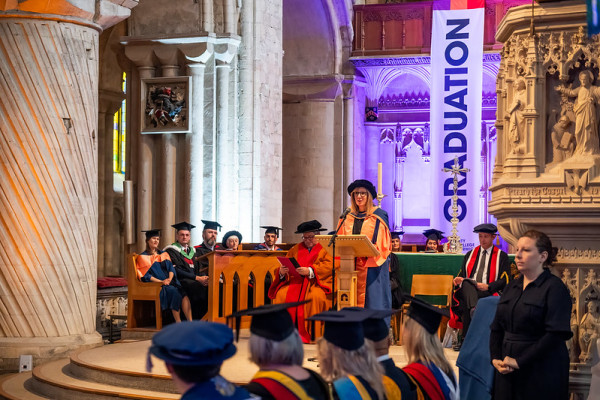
[516,126]
[589,330]
[562,140]
[586,114]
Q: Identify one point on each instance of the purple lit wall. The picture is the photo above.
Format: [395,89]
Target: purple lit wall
[399,139]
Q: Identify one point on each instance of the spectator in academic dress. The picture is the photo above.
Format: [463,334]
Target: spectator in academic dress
[271,236]
[433,237]
[346,359]
[311,282]
[428,366]
[182,256]
[193,353]
[394,270]
[276,347]
[153,265]
[209,243]
[231,240]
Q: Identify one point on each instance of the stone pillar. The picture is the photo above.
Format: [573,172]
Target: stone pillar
[348,135]
[48,229]
[169,190]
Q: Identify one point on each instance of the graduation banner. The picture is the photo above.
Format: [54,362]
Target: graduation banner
[456,85]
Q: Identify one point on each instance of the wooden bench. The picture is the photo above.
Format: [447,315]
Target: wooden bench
[143,300]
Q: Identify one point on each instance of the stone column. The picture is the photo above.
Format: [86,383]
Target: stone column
[196,55]
[167,205]
[348,134]
[49,184]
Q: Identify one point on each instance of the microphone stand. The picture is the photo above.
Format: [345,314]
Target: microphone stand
[332,244]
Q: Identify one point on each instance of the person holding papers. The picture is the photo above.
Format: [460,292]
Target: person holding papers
[308,277]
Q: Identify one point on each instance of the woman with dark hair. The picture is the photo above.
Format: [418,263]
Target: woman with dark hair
[373,279]
[153,265]
[532,323]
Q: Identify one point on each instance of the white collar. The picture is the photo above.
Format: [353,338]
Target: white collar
[383,358]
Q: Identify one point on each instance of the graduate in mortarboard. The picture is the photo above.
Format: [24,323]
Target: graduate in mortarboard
[346,359]
[485,271]
[182,255]
[276,347]
[373,280]
[433,238]
[428,365]
[193,353]
[396,382]
[395,285]
[153,265]
[271,236]
[312,281]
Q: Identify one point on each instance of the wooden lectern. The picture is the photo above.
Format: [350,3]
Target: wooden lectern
[347,247]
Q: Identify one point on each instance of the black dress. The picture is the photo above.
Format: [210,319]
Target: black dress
[532,326]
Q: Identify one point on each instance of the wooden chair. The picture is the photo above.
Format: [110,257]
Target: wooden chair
[429,285]
[143,300]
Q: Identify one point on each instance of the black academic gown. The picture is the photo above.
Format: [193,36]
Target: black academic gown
[395,282]
[314,386]
[196,292]
[532,326]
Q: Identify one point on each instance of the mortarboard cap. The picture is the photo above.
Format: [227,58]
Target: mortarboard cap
[375,328]
[183,226]
[344,328]
[486,228]
[364,184]
[151,233]
[230,234]
[211,225]
[396,235]
[310,226]
[427,315]
[193,343]
[433,234]
[271,321]
[272,229]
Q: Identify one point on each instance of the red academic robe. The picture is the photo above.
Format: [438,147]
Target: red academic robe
[290,289]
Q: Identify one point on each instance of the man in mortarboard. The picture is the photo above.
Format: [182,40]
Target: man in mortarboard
[434,237]
[312,281]
[193,353]
[396,382]
[485,272]
[346,358]
[182,255]
[276,347]
[209,243]
[271,236]
[394,268]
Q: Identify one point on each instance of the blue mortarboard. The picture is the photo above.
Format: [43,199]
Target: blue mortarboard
[151,233]
[396,235]
[185,226]
[433,234]
[310,226]
[271,321]
[344,328]
[364,184]
[193,343]
[486,228]
[211,225]
[230,234]
[425,314]
[272,229]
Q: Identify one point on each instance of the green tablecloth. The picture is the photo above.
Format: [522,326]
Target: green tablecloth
[427,263]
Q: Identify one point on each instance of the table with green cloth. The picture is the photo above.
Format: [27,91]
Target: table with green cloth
[428,264]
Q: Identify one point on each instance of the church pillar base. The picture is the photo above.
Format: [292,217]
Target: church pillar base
[43,349]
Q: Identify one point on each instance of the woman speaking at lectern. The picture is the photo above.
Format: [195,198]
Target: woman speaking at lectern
[367,219]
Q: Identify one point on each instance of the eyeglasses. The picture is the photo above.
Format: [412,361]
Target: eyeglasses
[357,194]
[308,237]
